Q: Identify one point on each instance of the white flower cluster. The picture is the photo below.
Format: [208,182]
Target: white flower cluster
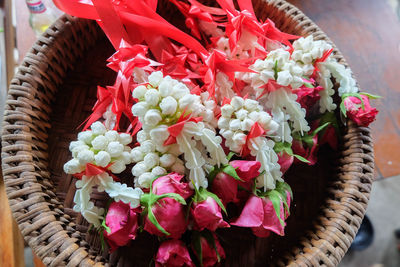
[107,149]
[160,105]
[306,51]
[100,147]
[238,117]
[277,66]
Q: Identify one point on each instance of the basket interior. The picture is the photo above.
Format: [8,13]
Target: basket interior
[73,102]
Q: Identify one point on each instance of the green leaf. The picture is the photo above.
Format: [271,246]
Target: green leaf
[211,241]
[212,174]
[343,109]
[231,171]
[320,128]
[103,223]
[154,221]
[302,159]
[330,117]
[308,85]
[175,196]
[230,155]
[370,96]
[215,197]
[275,198]
[276,70]
[196,243]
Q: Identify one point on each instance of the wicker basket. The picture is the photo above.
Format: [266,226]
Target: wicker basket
[53,92]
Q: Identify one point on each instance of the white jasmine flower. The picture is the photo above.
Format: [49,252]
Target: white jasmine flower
[165,87]
[86,137]
[227,134]
[139,169]
[141,136]
[78,149]
[102,158]
[111,135]
[118,166]
[147,146]
[168,105]
[151,160]
[145,179]
[180,90]
[250,104]
[85,156]
[100,142]
[139,92]
[284,78]
[73,166]
[241,114]
[235,125]
[159,134]
[126,157]
[115,149]
[246,124]
[223,122]
[152,97]
[237,102]
[74,144]
[254,115]
[125,138]
[98,128]
[239,138]
[227,110]
[174,149]
[136,154]
[155,78]
[152,117]
[187,101]
[156,171]
[167,160]
[140,109]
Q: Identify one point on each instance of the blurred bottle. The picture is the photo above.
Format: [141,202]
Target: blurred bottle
[41,17]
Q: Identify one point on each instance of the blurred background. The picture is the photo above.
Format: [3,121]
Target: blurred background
[368,34]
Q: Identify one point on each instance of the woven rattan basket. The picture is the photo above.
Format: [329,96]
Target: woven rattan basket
[53,92]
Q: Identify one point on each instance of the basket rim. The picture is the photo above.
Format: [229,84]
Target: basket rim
[333,230]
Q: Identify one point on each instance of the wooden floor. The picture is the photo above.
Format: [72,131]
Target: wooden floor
[368,34]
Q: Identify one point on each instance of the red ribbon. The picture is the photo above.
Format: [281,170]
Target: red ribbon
[93,170]
[255,131]
[177,128]
[273,33]
[322,59]
[270,86]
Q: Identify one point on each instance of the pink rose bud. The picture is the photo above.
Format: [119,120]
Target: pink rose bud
[209,252]
[172,183]
[246,170]
[307,97]
[354,110]
[173,253]
[225,187]
[302,149]
[285,161]
[259,215]
[170,214]
[122,221]
[207,215]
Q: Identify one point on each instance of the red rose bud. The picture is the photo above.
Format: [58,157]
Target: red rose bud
[307,96]
[173,253]
[285,161]
[170,215]
[302,149]
[164,206]
[362,116]
[260,215]
[172,183]
[206,214]
[210,250]
[122,223]
[225,187]
[246,170]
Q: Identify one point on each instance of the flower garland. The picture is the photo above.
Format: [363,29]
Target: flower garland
[209,127]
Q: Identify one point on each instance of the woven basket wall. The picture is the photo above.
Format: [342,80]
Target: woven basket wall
[53,92]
